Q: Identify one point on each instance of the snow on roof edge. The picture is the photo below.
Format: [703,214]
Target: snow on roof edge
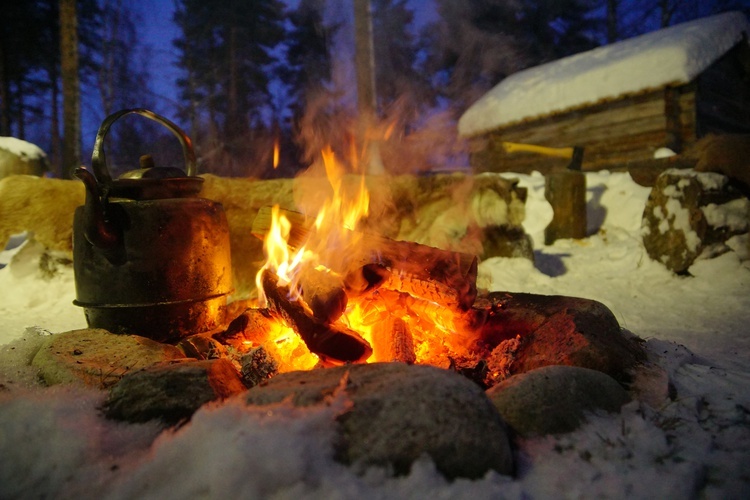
[673,55]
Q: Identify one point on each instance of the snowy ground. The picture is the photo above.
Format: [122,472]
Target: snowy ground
[53,443]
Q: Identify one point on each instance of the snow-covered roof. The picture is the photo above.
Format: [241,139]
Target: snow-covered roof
[670,56]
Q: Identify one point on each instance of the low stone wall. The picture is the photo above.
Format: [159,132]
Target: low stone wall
[480,215]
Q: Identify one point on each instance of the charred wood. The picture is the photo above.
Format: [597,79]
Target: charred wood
[252,327]
[333,343]
[323,291]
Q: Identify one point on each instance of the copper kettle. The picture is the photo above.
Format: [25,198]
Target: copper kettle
[150,257]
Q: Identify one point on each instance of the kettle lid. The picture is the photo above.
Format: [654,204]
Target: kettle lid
[149,182]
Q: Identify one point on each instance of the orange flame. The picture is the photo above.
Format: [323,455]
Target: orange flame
[276,152]
[333,245]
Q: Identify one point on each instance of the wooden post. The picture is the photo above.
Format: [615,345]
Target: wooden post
[364,59]
[566,192]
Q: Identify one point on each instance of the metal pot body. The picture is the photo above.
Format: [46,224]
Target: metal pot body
[168,278]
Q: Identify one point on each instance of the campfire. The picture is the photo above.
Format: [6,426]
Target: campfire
[333,289]
[333,293]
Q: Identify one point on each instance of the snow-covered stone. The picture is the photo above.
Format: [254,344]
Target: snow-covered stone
[21,157]
[690,215]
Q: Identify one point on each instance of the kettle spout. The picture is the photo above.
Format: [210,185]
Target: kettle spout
[99,230]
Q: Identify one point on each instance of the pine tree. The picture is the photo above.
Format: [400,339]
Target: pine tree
[226,51]
[396,74]
[309,68]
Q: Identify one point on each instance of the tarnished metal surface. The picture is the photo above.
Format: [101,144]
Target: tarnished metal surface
[173,251]
[149,257]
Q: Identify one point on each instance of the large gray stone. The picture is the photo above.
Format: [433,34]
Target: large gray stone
[173,391]
[400,412]
[97,357]
[529,331]
[555,399]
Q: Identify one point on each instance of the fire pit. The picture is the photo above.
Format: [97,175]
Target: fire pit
[152,259]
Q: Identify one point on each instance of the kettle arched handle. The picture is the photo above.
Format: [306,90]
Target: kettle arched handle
[99,160]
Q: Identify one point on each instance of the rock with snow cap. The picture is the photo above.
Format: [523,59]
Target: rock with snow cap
[18,157]
[691,215]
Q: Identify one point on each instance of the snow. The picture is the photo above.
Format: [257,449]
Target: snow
[670,56]
[54,443]
[25,150]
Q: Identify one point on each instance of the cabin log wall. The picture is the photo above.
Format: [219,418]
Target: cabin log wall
[626,132]
[614,134]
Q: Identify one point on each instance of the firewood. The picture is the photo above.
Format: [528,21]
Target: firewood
[393,341]
[433,291]
[323,291]
[249,328]
[431,273]
[364,279]
[333,343]
[445,319]
[257,365]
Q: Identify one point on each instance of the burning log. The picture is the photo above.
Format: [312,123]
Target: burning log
[332,343]
[393,341]
[252,326]
[324,292]
[450,321]
[446,277]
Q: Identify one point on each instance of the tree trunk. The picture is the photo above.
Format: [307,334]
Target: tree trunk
[107,71]
[21,129]
[55,140]
[365,58]
[666,13]
[71,153]
[367,101]
[611,21]
[4,93]
[232,126]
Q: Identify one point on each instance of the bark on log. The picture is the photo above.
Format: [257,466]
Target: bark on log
[335,344]
[430,273]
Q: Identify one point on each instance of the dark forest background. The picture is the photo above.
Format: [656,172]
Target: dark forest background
[258,72]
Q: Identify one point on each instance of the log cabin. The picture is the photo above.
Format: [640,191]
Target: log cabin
[622,102]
